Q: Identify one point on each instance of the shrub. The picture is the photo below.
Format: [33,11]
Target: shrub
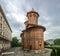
[55,50]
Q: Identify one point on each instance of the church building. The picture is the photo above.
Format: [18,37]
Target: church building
[33,35]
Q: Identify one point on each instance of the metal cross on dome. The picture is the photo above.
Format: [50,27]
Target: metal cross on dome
[32,9]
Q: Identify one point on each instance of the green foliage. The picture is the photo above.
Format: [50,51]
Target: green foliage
[53,53]
[15,42]
[46,43]
[57,41]
[55,50]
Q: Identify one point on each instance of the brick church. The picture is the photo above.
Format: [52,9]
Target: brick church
[33,35]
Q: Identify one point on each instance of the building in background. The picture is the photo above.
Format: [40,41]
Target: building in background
[19,40]
[33,35]
[50,41]
[5,31]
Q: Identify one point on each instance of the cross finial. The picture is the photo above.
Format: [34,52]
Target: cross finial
[32,9]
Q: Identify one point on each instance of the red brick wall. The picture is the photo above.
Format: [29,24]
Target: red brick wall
[36,38]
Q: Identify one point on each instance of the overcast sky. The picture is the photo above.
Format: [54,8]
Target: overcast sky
[49,11]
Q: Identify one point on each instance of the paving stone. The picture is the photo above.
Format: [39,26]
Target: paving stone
[18,52]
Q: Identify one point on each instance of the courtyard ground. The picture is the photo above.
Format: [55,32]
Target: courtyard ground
[17,51]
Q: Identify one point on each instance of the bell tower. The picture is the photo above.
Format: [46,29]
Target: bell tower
[32,18]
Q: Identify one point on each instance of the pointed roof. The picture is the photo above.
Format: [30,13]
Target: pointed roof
[35,26]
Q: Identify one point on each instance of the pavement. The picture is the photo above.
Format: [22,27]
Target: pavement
[17,51]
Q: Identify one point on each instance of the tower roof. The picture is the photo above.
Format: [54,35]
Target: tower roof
[32,11]
[36,26]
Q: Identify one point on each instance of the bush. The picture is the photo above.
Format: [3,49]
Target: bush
[53,53]
[55,50]
[57,41]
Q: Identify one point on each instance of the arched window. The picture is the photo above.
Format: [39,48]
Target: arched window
[40,45]
[34,15]
[30,15]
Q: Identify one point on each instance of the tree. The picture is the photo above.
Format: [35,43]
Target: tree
[57,41]
[15,42]
[46,43]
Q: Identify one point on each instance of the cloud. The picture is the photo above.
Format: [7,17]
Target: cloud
[52,32]
[18,17]
[49,11]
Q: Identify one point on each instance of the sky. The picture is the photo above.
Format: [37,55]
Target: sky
[49,11]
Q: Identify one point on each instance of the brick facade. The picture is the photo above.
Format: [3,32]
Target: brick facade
[33,35]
